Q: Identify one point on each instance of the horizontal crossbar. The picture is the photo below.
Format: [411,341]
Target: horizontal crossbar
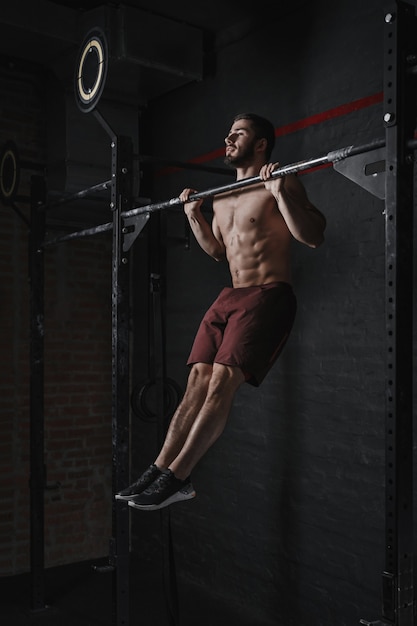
[293,168]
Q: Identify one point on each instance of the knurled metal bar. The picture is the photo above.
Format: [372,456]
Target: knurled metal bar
[78,195]
[37,464]
[292,168]
[400,35]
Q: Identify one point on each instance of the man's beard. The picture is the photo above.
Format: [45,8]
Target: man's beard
[242,159]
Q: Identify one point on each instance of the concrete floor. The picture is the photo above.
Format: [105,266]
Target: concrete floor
[76,595]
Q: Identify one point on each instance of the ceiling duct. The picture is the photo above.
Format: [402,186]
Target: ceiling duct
[148,56]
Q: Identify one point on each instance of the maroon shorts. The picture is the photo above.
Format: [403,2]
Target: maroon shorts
[246,327]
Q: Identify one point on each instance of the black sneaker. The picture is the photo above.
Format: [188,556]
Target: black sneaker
[140,485]
[165,490]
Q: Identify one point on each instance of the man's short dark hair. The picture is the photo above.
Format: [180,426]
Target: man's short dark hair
[263,129]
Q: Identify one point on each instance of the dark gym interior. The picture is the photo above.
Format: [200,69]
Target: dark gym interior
[305,505]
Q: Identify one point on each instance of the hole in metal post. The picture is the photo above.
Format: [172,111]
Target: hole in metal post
[373,169]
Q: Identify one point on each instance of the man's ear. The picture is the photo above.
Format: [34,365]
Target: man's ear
[261,145]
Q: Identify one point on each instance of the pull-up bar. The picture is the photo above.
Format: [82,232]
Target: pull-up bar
[293,168]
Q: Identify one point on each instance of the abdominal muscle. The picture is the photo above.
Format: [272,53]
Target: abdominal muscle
[266,266]
[256,239]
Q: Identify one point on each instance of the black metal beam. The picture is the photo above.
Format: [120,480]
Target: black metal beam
[37,466]
[120,198]
[400,36]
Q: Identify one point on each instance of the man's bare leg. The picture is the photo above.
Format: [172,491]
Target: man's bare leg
[192,434]
[181,423]
[186,413]
[210,421]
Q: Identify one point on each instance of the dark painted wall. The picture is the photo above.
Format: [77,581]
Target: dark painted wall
[288,523]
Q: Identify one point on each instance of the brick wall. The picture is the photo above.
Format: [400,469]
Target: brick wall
[77,364]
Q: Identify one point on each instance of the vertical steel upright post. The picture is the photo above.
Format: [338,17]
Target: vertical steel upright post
[37,464]
[400,37]
[122,159]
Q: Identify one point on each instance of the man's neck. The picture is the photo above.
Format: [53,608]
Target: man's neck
[248,171]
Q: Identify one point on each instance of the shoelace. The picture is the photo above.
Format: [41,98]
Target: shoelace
[142,479]
[160,483]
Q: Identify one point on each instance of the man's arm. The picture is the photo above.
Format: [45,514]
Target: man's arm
[208,237]
[305,222]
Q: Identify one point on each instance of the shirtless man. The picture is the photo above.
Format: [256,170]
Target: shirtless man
[245,329]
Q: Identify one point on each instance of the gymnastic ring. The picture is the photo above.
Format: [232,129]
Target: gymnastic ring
[91,70]
[9,172]
[143,399]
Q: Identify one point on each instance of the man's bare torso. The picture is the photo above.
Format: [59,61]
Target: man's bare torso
[255,236]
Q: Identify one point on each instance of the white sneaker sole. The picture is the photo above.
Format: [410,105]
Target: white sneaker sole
[119,497]
[186,493]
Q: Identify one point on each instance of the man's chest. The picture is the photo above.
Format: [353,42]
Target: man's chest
[242,213]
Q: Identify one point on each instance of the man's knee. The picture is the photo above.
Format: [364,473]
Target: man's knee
[217,377]
[200,374]
[226,376]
